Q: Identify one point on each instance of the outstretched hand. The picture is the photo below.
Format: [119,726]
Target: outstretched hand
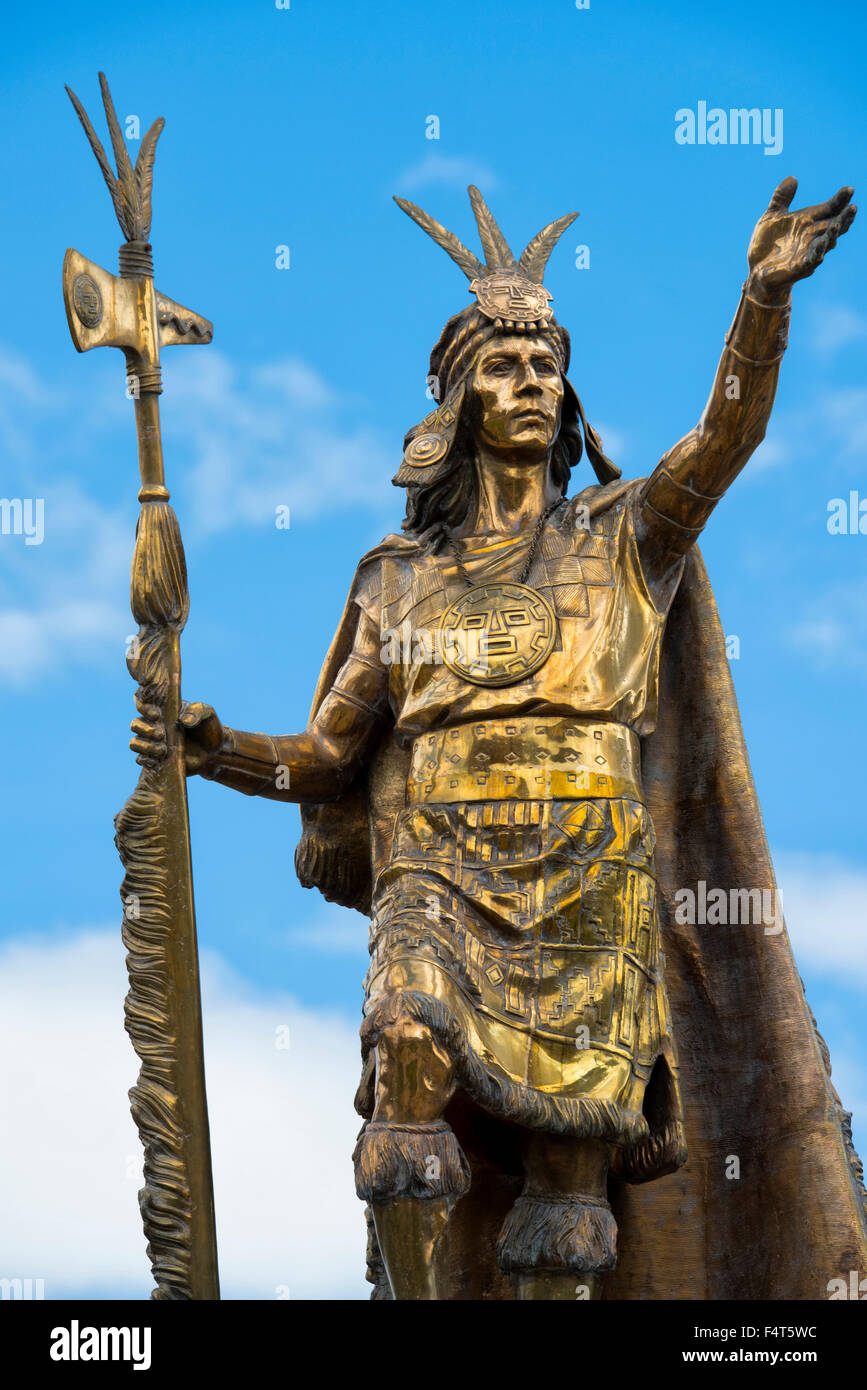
[787,245]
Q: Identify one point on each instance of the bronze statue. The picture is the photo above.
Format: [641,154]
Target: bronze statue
[523,743]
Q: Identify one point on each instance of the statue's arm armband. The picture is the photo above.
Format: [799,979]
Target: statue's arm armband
[678,498]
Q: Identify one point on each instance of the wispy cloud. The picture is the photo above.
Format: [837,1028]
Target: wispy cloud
[845,411]
[834,326]
[336,931]
[830,423]
[282,1131]
[833,628]
[825,906]
[448,171]
[274,434]
[614,441]
[62,602]
[269,436]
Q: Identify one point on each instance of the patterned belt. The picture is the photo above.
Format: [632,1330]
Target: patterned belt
[532,758]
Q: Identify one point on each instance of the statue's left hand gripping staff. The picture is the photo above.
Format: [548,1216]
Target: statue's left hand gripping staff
[163,1007]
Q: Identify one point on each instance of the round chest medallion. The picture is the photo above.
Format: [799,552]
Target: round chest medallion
[496,634]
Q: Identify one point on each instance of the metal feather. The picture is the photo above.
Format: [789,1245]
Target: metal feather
[498,254]
[535,257]
[144,173]
[126,179]
[469,264]
[101,156]
[130,188]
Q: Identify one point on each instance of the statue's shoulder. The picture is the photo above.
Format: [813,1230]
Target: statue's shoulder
[600,497]
[375,571]
[392,546]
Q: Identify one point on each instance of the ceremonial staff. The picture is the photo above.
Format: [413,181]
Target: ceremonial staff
[163,1007]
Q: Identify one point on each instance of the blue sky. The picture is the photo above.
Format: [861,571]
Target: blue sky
[294,127]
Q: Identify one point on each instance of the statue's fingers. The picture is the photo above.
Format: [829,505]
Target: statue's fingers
[835,226]
[193,714]
[819,247]
[146,749]
[783,195]
[833,205]
[145,728]
[148,710]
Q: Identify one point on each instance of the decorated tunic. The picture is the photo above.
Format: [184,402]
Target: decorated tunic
[516,915]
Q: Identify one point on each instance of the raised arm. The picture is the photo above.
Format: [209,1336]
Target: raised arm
[317,765]
[680,495]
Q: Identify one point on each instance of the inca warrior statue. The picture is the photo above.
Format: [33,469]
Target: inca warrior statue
[524,742]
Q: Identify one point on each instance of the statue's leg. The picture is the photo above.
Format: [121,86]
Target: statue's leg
[408,1163]
[560,1239]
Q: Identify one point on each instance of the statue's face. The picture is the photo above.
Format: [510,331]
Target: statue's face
[517,393]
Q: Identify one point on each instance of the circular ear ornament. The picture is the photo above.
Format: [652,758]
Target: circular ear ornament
[426,449]
[431,440]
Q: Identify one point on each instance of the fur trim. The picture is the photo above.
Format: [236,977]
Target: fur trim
[581,1116]
[393,1160]
[654,1157]
[558,1232]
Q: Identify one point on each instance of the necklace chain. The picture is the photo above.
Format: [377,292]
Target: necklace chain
[534,545]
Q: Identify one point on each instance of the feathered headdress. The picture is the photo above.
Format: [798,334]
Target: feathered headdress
[510,298]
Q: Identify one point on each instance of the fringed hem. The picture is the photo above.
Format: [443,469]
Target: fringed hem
[558,1232]
[654,1157]
[581,1116]
[394,1160]
[342,877]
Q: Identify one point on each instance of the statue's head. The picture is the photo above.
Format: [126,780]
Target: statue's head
[498,374]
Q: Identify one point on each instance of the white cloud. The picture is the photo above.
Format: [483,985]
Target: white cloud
[825,906]
[770,454]
[614,441]
[833,326]
[64,600]
[282,1131]
[335,931]
[23,393]
[253,439]
[451,171]
[270,436]
[845,411]
[833,628]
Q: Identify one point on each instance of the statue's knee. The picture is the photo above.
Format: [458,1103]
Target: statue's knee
[407,1149]
[413,1073]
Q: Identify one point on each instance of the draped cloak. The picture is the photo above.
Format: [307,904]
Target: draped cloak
[755,1076]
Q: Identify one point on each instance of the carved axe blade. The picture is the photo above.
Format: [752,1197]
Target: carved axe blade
[105,310]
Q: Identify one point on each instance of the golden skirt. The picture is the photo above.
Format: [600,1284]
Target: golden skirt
[525,934]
